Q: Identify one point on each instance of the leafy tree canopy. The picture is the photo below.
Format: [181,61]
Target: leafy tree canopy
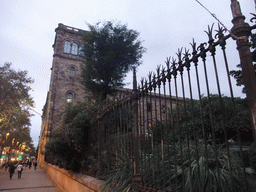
[14,97]
[18,139]
[110,50]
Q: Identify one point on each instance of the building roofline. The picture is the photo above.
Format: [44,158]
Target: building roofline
[70,29]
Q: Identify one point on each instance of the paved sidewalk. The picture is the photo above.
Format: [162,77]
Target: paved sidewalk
[30,181]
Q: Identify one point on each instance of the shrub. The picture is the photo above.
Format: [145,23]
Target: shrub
[206,173]
[68,143]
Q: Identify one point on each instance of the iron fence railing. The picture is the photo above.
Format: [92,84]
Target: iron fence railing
[168,135]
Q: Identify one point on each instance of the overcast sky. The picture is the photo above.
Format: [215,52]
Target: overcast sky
[27,32]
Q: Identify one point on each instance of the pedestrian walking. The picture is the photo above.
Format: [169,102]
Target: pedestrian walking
[29,164]
[20,169]
[11,170]
[35,163]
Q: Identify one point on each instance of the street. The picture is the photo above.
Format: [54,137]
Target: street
[30,181]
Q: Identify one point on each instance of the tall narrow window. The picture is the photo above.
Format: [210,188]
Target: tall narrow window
[74,49]
[81,47]
[163,109]
[70,97]
[72,72]
[149,107]
[67,47]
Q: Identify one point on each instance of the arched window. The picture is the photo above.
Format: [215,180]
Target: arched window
[74,50]
[67,47]
[72,72]
[69,97]
[81,47]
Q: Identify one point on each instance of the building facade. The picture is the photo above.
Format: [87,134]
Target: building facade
[65,87]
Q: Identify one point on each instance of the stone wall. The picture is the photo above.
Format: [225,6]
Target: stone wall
[66,181]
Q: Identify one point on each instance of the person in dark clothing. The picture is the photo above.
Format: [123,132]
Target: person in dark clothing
[35,163]
[29,164]
[11,170]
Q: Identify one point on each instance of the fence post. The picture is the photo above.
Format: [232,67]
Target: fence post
[240,32]
[136,181]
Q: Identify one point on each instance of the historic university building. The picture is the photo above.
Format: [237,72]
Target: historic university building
[65,84]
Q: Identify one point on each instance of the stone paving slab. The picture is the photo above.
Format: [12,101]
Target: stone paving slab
[30,181]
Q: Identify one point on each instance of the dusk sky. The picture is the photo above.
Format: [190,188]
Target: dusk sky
[27,32]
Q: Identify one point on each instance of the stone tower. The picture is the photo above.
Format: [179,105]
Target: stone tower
[65,87]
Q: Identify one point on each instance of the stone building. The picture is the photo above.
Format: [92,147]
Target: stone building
[65,84]
[65,87]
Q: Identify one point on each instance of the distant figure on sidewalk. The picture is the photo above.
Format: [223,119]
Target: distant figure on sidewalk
[6,166]
[35,163]
[20,169]
[29,164]
[11,170]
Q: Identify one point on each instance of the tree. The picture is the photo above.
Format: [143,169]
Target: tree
[19,140]
[14,97]
[110,50]
[14,113]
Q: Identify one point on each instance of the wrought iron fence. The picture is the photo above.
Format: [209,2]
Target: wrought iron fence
[166,135]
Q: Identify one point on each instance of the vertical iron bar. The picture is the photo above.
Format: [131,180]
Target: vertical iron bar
[115,132]
[166,124]
[148,147]
[131,135]
[178,121]
[157,148]
[161,120]
[180,68]
[223,47]
[126,116]
[188,66]
[142,130]
[147,150]
[99,143]
[223,120]
[203,56]
[212,50]
[136,173]
[118,132]
[121,131]
[195,61]
[152,134]
[169,75]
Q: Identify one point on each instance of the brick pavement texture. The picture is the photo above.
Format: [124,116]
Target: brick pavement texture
[30,181]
